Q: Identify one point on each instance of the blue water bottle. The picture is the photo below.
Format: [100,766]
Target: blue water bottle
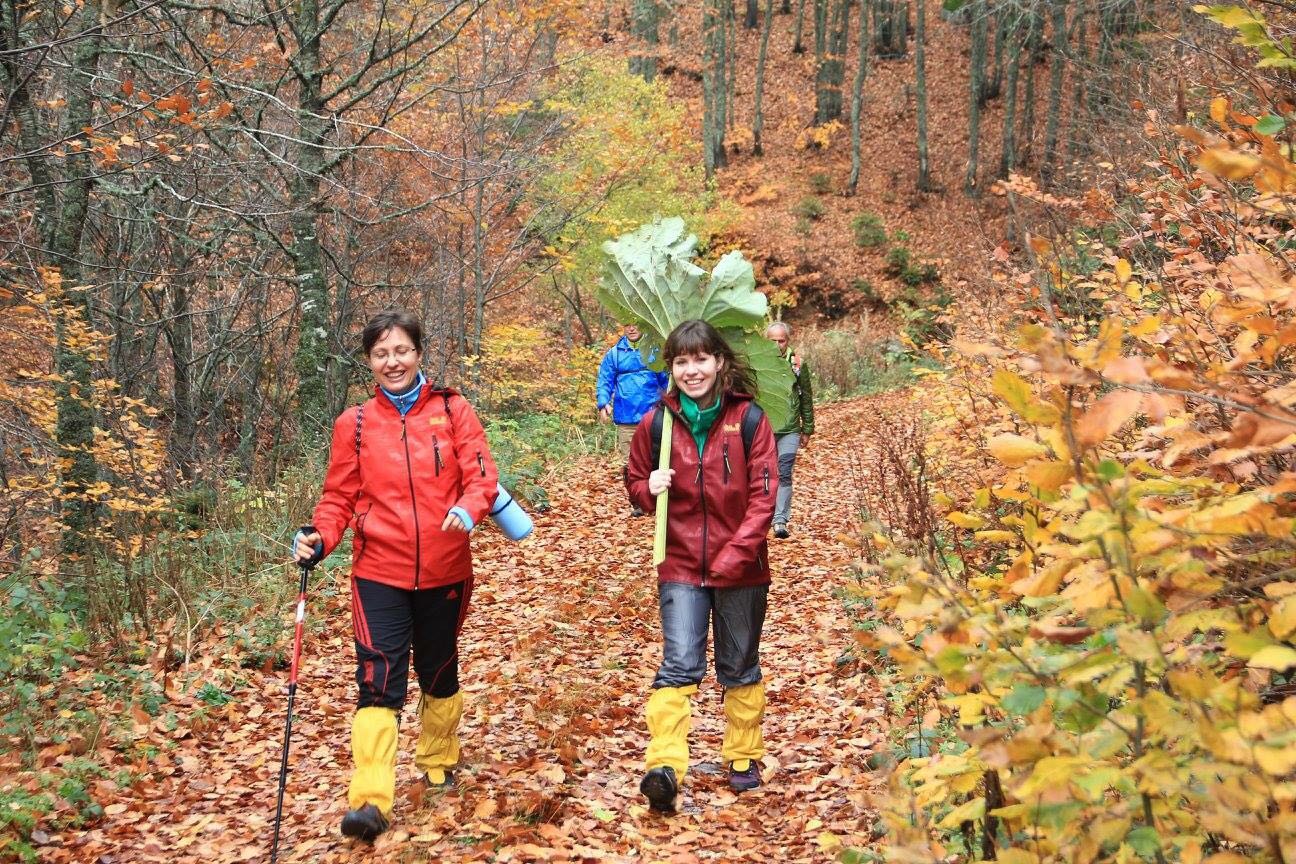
[509,515]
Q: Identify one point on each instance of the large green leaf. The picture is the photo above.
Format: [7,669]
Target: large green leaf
[651,280]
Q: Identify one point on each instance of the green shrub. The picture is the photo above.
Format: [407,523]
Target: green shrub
[852,363]
[810,208]
[902,264]
[867,292]
[870,231]
[821,182]
[526,448]
[804,227]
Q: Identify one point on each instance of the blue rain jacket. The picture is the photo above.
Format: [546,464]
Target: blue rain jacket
[632,388]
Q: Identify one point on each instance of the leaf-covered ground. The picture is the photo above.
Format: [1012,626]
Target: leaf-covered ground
[557,657]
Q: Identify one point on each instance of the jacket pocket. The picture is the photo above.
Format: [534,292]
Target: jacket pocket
[361,541]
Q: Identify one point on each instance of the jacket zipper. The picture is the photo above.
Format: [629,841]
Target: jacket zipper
[702,497]
[481,463]
[766,473]
[409,471]
[728,470]
[436,455]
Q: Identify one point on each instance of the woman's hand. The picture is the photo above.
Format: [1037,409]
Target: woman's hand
[453,523]
[304,548]
[660,480]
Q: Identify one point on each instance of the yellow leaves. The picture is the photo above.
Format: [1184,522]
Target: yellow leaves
[1123,271]
[963,520]
[1014,450]
[1042,583]
[1224,161]
[1278,658]
[1219,107]
[967,812]
[1106,416]
[1014,390]
[1282,619]
[1051,774]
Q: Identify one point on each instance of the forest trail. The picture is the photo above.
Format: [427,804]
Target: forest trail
[556,661]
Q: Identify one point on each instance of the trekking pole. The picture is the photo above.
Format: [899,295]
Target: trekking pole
[292,692]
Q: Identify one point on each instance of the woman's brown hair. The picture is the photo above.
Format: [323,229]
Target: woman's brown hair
[699,337]
[386,320]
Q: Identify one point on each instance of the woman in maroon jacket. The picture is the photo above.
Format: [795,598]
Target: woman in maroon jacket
[716,570]
[410,474]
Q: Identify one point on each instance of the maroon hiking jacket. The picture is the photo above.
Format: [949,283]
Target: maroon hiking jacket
[721,505]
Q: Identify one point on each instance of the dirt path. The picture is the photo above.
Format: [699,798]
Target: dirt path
[557,657]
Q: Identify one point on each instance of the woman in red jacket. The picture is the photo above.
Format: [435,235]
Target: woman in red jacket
[716,570]
[410,473]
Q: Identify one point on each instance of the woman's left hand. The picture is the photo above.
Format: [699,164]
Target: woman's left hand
[453,523]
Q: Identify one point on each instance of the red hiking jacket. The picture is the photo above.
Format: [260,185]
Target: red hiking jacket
[721,505]
[411,470]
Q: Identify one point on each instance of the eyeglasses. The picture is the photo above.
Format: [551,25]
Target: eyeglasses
[400,353]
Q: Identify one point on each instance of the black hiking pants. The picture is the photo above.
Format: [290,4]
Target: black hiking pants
[391,624]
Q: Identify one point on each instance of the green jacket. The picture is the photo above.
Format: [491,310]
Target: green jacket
[802,398]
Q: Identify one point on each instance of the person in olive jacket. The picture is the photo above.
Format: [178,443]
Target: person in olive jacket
[795,436]
[410,474]
[716,572]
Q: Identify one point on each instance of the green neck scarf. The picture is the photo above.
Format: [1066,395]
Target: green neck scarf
[700,420]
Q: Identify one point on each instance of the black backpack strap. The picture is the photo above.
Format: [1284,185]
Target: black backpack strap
[655,427]
[752,415]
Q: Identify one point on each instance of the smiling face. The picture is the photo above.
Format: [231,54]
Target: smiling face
[394,360]
[695,375]
[632,332]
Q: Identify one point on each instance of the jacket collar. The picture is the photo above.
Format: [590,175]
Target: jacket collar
[731,397]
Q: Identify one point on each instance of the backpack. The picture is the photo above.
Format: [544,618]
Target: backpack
[751,418]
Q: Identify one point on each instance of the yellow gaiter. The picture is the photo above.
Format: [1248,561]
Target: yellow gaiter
[668,725]
[744,707]
[438,744]
[373,746]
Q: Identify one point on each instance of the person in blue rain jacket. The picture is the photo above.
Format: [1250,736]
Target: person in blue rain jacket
[627,390]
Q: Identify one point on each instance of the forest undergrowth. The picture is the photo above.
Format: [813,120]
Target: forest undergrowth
[1082,580]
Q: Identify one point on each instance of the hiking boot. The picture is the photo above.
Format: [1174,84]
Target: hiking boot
[781,531]
[364,824]
[439,780]
[744,781]
[660,787]
[636,510]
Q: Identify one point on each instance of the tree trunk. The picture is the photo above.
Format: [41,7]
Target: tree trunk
[920,72]
[977,79]
[750,20]
[713,84]
[184,425]
[831,26]
[74,427]
[1008,154]
[643,27]
[1081,99]
[797,46]
[1057,66]
[758,118]
[993,85]
[891,28]
[1034,39]
[857,95]
[313,360]
[731,63]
